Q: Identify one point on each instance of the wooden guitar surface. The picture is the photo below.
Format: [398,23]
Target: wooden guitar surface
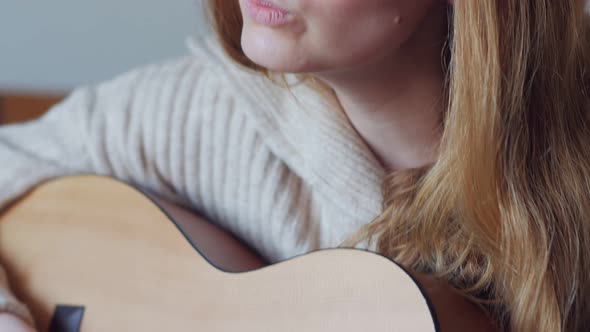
[98,243]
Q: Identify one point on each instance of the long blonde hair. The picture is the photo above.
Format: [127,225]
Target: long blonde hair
[503,215]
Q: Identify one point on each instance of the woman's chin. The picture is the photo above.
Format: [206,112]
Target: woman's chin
[272,63]
[274,55]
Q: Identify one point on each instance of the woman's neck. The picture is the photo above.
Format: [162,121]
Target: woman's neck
[395,103]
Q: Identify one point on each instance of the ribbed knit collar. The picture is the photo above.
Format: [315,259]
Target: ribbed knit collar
[311,135]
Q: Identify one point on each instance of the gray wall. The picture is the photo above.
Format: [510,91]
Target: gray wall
[59,44]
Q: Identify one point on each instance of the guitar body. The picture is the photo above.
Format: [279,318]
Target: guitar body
[100,244]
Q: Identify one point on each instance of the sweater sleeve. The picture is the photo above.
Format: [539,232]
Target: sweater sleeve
[129,128]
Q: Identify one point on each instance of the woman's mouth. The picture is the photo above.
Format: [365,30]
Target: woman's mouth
[267,13]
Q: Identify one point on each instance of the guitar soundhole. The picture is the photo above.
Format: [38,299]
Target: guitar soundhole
[66,319]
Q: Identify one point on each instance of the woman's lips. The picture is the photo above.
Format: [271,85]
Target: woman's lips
[267,13]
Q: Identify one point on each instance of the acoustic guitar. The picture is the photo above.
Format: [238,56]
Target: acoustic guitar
[90,253]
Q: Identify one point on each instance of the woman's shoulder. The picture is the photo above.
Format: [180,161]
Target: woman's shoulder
[206,49]
[204,67]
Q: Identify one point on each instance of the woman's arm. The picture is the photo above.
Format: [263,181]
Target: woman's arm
[132,128]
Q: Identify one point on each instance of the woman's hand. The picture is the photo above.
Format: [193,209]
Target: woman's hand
[11,323]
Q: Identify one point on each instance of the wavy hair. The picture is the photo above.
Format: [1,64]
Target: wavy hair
[503,215]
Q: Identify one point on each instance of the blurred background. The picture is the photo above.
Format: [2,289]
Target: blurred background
[47,48]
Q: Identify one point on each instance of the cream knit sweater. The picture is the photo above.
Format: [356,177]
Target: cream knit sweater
[285,172]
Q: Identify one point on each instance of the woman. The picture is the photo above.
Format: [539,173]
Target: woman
[478,135]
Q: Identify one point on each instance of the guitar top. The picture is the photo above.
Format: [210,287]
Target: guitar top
[95,243]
